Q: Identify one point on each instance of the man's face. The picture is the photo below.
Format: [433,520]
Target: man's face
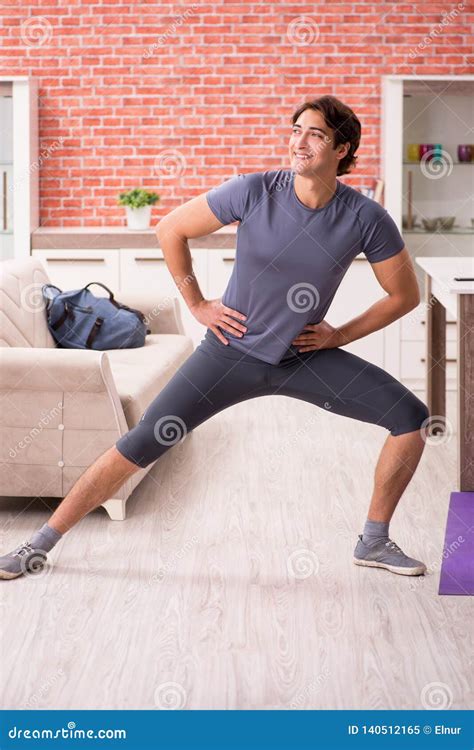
[311,145]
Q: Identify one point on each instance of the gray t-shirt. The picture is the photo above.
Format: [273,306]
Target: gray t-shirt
[290,259]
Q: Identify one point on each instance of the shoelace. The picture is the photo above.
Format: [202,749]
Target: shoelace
[394,546]
[23,549]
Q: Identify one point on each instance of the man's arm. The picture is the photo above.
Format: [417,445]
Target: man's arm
[192,219]
[396,275]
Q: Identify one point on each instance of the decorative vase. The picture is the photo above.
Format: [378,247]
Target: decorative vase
[426,151]
[138,218]
[413,152]
[464,152]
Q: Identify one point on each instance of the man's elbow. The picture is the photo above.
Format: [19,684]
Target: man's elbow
[165,229]
[160,228]
[408,302]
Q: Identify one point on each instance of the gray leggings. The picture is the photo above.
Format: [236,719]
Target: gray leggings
[216,376]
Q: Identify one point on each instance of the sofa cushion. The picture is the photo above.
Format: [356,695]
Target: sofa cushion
[22,308]
[140,374]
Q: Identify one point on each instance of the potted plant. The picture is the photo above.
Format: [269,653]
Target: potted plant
[138,203]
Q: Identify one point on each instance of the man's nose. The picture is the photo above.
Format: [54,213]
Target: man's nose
[301,142]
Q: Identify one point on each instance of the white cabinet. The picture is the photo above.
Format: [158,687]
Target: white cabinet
[429,109]
[146,269]
[220,265]
[19,164]
[72,269]
[143,270]
[413,347]
[358,290]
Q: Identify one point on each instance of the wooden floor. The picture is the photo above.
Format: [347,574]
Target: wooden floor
[231,583]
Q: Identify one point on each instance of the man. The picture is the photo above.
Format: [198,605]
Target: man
[300,229]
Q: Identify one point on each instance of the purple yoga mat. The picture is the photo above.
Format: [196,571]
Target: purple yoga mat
[457,568]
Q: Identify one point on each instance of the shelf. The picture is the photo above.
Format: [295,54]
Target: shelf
[459,230]
[454,163]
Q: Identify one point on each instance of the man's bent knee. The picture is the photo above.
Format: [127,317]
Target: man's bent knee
[412,415]
[123,462]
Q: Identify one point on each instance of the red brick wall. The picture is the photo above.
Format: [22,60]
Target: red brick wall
[123,85]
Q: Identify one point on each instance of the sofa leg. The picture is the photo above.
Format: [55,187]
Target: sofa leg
[115,507]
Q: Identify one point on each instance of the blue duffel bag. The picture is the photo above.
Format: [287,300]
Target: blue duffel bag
[79,320]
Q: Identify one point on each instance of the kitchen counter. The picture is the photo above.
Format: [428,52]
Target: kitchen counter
[115,238]
[121,238]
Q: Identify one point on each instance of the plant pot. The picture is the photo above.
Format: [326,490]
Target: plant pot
[138,218]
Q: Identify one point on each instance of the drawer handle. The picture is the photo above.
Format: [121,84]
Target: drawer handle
[76,260]
[4,194]
[448,359]
[228,260]
[448,322]
[156,259]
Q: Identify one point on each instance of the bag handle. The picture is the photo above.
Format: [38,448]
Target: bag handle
[48,298]
[99,283]
[119,305]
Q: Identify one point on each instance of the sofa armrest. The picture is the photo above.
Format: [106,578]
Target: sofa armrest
[162,313]
[71,371]
[50,368]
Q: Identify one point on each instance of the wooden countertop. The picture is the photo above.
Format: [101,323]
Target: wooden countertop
[121,238]
[115,238]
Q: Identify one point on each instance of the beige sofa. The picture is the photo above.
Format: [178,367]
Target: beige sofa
[61,408]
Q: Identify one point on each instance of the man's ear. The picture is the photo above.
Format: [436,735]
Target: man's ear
[343,149]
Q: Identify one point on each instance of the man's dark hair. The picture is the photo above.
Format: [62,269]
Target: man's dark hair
[340,118]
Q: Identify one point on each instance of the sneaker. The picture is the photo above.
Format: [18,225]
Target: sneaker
[387,555]
[23,559]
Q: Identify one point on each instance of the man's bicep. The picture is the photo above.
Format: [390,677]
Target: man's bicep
[192,219]
[396,275]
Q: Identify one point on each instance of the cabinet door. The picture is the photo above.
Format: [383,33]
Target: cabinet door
[413,360]
[147,270]
[220,265]
[358,290]
[73,269]
[413,325]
